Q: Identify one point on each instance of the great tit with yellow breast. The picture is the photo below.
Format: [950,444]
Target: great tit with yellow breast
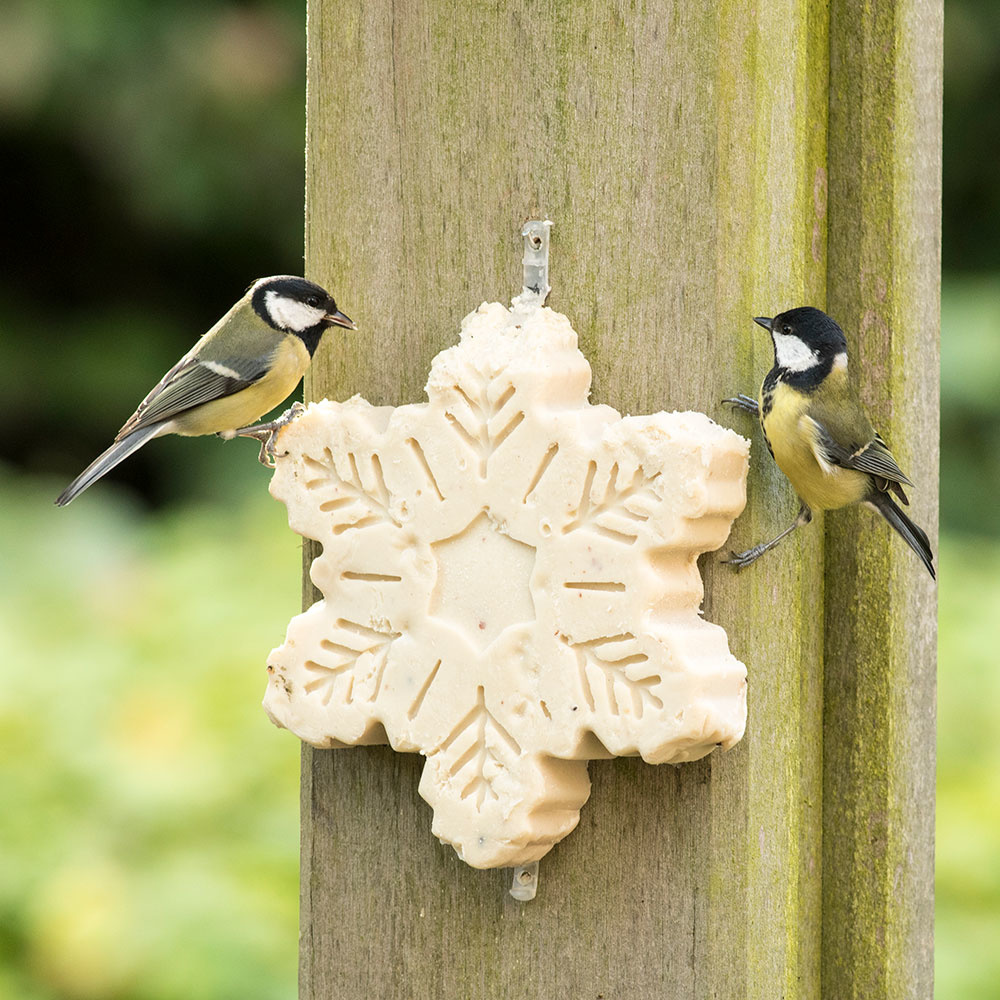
[247,364]
[818,432]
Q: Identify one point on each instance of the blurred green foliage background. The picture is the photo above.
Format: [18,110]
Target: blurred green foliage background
[152,163]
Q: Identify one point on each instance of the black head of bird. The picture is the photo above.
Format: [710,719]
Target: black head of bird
[296,305]
[804,339]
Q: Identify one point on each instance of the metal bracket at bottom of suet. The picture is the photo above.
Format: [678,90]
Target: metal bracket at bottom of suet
[525,883]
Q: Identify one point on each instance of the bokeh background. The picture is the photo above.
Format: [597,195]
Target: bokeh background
[151,156]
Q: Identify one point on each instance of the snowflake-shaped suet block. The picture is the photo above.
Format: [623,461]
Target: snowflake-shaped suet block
[510,584]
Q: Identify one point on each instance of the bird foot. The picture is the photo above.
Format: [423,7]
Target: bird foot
[743,402]
[267,434]
[740,560]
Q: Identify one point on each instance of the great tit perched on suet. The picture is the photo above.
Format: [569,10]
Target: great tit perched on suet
[247,364]
[818,432]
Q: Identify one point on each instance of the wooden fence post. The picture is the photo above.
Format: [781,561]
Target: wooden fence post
[881,613]
[684,151]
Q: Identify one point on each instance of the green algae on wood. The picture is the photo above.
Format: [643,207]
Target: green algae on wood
[883,286]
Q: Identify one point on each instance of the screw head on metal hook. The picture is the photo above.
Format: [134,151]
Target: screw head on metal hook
[536,259]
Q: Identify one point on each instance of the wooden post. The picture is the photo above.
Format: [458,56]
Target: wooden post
[684,151]
[881,612]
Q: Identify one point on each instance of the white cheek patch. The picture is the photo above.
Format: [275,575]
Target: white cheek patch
[290,314]
[793,354]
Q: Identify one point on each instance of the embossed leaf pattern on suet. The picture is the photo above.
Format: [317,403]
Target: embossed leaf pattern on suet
[475,751]
[507,586]
[612,667]
[481,416]
[352,502]
[621,508]
[339,656]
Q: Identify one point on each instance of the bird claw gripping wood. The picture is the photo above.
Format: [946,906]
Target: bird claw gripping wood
[267,434]
[741,401]
[740,560]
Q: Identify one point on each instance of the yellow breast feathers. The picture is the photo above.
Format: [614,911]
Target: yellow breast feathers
[795,442]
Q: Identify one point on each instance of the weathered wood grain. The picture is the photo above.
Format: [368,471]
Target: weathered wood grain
[883,283]
[681,149]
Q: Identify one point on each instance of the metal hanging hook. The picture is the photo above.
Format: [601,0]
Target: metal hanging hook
[536,259]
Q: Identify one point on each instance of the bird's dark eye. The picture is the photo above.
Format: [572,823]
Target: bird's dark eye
[786,329]
[315,301]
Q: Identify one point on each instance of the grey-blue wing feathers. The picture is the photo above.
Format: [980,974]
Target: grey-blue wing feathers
[912,534]
[191,383]
[106,461]
[873,458]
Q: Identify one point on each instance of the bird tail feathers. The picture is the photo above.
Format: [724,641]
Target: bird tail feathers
[912,534]
[107,460]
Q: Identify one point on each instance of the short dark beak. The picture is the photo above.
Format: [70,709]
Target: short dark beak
[764,321]
[339,319]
